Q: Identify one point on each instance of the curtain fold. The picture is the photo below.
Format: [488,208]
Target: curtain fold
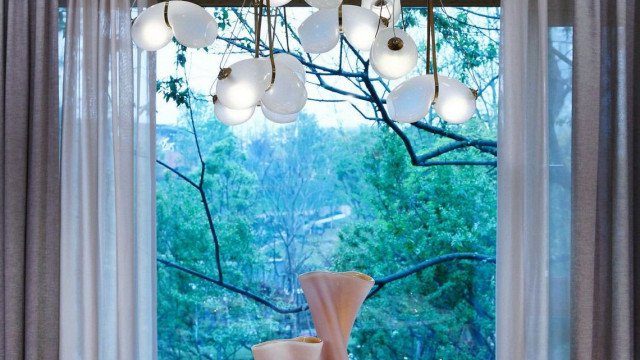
[606,176]
[30,180]
[523,183]
[108,193]
[534,180]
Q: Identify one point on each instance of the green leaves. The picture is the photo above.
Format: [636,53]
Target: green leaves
[418,214]
[306,197]
[173,89]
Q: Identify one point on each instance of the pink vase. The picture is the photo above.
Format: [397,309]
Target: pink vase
[300,348]
[334,299]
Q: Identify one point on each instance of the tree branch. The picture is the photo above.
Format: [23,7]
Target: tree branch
[234,289]
[379,283]
[178,173]
[427,264]
[454,146]
[492,163]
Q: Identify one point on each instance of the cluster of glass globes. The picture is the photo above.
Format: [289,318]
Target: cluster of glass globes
[191,24]
[392,55]
[250,82]
[455,102]
[281,95]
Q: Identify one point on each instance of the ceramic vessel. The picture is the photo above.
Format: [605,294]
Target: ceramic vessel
[334,299]
[300,348]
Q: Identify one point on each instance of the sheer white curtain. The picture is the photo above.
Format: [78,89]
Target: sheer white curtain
[522,250]
[108,224]
[533,183]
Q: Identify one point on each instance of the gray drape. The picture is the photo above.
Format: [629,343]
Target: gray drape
[29,180]
[606,181]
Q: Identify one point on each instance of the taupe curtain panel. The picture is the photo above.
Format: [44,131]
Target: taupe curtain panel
[29,180]
[606,181]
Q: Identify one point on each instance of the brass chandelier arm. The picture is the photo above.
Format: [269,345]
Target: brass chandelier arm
[432,62]
[259,6]
[166,14]
[340,18]
[257,25]
[271,38]
[286,27]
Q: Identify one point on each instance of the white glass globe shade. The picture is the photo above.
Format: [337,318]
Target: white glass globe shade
[388,9]
[290,61]
[411,100]
[245,85]
[149,31]
[278,118]
[192,25]
[319,32]
[455,103]
[230,116]
[287,95]
[392,64]
[276,2]
[360,26]
[324,4]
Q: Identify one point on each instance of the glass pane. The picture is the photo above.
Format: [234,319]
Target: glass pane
[335,190]
[560,85]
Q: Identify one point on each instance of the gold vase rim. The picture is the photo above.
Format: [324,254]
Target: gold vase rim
[311,340]
[308,339]
[351,274]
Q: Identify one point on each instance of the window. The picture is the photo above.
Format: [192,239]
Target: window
[560,114]
[335,190]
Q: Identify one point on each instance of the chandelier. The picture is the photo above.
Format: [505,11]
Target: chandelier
[277,83]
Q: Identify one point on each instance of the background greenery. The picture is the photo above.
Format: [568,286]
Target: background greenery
[307,196]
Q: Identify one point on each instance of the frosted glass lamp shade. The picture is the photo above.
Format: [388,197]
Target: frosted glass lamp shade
[287,95]
[287,60]
[232,117]
[319,32]
[276,2]
[278,118]
[149,31]
[245,85]
[456,103]
[388,9]
[393,64]
[411,100]
[324,4]
[192,25]
[360,26]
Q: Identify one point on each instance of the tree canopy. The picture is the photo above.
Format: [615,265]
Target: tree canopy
[241,216]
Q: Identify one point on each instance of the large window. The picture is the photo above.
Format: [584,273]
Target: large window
[243,211]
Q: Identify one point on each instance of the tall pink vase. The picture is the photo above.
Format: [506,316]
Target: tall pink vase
[334,299]
[300,348]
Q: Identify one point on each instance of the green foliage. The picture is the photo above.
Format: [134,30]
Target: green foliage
[305,197]
[443,312]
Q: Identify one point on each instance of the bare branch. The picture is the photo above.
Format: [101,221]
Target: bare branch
[178,173]
[454,146]
[429,263]
[234,289]
[379,283]
[460,163]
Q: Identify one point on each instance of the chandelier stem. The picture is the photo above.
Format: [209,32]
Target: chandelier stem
[271,38]
[166,14]
[286,27]
[340,18]
[257,8]
[431,49]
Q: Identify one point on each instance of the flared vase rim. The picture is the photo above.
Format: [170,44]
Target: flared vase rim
[309,340]
[350,274]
